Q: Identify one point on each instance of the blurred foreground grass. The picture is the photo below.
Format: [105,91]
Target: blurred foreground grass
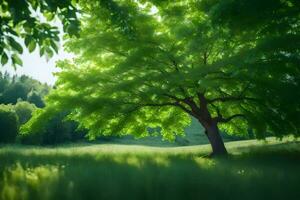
[255,170]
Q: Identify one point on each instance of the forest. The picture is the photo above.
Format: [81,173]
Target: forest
[160,99]
[20,97]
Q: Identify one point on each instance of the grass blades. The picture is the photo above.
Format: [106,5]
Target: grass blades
[254,170]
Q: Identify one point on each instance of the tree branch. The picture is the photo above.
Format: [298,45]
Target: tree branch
[185,109]
[177,104]
[225,120]
[219,115]
[151,104]
[230,98]
[157,104]
[116,52]
[205,58]
[173,97]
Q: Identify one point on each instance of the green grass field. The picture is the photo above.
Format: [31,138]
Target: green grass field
[254,170]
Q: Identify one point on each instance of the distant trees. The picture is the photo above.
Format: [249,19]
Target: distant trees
[13,92]
[12,117]
[35,98]
[20,97]
[13,89]
[15,103]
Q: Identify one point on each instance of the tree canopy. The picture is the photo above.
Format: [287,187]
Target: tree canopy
[272,30]
[156,63]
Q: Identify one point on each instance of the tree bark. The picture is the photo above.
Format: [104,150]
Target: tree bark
[215,139]
[210,124]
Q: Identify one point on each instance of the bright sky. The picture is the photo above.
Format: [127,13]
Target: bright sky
[38,67]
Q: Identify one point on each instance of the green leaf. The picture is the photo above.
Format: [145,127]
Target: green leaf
[28,40]
[56,38]
[15,45]
[12,32]
[4,58]
[42,51]
[49,53]
[16,60]
[74,2]
[54,46]
[31,46]
[49,16]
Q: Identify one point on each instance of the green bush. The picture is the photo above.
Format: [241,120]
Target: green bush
[9,124]
[24,111]
[56,130]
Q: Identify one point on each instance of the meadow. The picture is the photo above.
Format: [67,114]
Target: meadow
[82,80]
[253,170]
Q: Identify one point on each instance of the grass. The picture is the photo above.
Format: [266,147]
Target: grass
[255,170]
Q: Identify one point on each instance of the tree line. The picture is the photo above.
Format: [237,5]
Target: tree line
[20,97]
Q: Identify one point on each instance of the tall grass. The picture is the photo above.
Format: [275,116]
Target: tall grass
[254,171]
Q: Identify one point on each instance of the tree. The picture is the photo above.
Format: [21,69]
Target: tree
[13,93]
[36,99]
[8,124]
[23,88]
[31,21]
[158,63]
[4,81]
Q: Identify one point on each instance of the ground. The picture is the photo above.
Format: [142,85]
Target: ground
[254,170]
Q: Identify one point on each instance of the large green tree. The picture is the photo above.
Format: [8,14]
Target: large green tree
[154,64]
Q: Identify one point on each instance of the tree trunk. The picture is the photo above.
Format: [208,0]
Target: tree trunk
[215,139]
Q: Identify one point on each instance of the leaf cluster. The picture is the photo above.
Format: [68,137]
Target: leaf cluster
[31,22]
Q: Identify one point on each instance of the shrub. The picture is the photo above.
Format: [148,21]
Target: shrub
[56,130]
[9,124]
[24,111]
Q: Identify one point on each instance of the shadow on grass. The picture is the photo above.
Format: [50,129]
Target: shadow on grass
[261,173]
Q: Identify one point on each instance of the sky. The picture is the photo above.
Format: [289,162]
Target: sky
[38,67]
